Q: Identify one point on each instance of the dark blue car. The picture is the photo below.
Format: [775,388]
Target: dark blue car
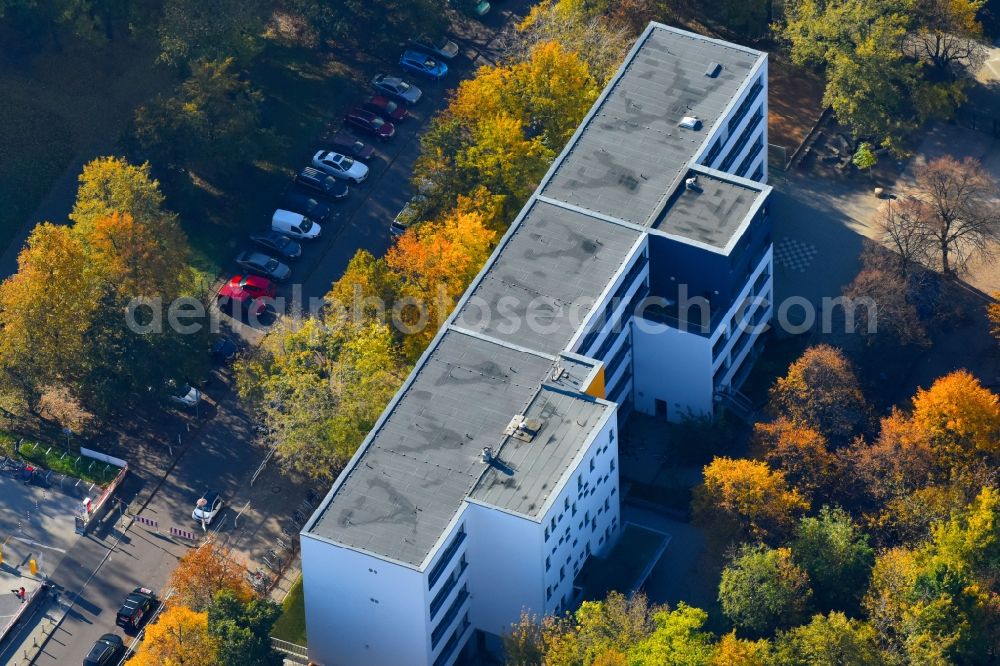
[423,64]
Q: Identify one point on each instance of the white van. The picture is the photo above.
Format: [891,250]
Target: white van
[294,225]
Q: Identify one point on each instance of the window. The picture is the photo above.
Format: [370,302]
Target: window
[548,563]
[449,617]
[574,508]
[446,557]
[562,573]
[745,105]
[447,588]
[546,534]
[591,464]
[714,152]
[748,132]
[548,592]
[751,156]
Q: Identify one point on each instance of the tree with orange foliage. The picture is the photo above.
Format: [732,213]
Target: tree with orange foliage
[747,495]
[822,392]
[179,637]
[959,416]
[435,263]
[203,572]
[800,452]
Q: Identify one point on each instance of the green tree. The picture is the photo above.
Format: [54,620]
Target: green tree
[762,589]
[242,630]
[220,30]
[211,121]
[864,158]
[322,387]
[677,640]
[836,556]
[873,85]
[938,602]
[830,640]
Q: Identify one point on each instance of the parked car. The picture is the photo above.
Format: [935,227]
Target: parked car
[263,264]
[301,202]
[277,244]
[340,166]
[137,607]
[476,8]
[294,225]
[420,63]
[246,294]
[366,121]
[315,180]
[184,395]
[224,350]
[397,88]
[107,650]
[207,508]
[348,144]
[439,46]
[386,108]
[407,215]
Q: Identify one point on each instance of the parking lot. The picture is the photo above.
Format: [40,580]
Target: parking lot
[218,449]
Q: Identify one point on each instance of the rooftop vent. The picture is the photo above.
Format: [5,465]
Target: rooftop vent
[690,122]
[487,454]
[522,428]
[692,184]
[713,70]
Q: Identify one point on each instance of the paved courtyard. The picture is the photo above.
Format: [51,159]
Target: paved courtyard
[36,523]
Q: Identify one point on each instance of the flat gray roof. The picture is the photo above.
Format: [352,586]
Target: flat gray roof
[525,474]
[424,457]
[409,483]
[632,152]
[555,264]
[711,212]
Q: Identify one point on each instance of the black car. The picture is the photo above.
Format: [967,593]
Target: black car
[320,183]
[348,144]
[277,244]
[107,650]
[137,607]
[304,203]
[263,264]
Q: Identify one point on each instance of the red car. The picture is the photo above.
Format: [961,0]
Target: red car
[386,108]
[366,121]
[247,292]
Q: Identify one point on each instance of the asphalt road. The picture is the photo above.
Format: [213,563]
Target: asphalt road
[101,569]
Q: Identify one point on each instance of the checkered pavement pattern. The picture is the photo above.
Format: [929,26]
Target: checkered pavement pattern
[793,254]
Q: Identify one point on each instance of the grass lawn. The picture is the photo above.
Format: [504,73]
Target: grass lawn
[56,459]
[59,105]
[291,626]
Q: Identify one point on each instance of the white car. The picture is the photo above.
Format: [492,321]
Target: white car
[185,395]
[207,508]
[339,166]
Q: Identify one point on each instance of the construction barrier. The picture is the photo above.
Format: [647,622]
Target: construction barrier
[184,534]
[143,520]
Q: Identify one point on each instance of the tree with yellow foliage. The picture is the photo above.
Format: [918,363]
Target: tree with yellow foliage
[749,495]
[205,571]
[179,637]
[960,417]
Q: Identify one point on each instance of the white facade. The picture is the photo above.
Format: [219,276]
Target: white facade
[490,565]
